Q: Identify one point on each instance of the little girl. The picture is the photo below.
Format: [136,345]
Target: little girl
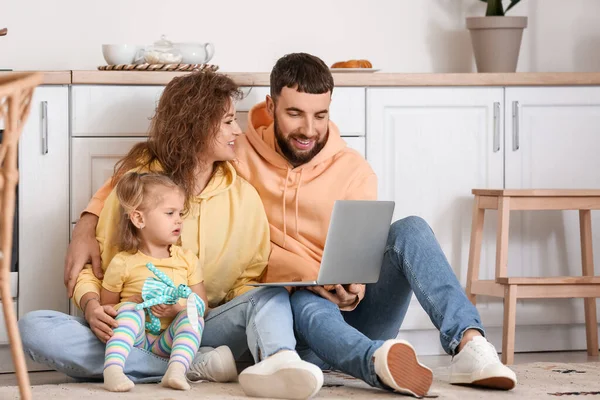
[152,207]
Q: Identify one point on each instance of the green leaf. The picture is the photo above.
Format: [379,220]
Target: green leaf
[494,8]
[512,4]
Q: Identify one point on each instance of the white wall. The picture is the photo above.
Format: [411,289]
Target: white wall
[396,35]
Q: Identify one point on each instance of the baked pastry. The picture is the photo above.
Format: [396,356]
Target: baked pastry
[353,64]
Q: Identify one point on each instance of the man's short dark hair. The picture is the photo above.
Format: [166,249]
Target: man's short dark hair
[305,72]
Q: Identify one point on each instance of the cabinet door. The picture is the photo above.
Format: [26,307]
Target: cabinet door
[93,161]
[553,141]
[429,148]
[44,202]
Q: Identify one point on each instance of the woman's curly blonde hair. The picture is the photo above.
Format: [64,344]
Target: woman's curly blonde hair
[184,127]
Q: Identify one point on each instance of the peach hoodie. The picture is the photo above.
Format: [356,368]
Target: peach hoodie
[299,201]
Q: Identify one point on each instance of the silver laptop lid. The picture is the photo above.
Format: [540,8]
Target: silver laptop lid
[356,240]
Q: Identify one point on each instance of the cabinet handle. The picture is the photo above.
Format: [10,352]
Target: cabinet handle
[515,115]
[44,127]
[496,127]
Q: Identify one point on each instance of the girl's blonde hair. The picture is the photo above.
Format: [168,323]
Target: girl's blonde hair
[134,192]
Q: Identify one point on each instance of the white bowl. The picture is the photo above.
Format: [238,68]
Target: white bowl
[115,54]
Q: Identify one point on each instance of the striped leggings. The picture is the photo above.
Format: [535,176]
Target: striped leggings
[179,342]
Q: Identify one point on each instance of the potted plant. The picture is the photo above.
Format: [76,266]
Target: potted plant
[496,38]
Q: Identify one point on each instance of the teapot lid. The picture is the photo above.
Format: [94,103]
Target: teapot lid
[163,43]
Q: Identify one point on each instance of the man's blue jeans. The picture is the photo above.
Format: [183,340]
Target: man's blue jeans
[413,262]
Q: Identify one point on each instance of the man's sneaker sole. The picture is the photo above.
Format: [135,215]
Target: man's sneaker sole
[496,382]
[408,374]
[297,381]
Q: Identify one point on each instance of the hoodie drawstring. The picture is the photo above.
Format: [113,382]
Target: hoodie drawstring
[297,198]
[287,176]
[197,210]
[285,187]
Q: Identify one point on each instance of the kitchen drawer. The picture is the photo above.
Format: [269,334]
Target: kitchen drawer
[112,110]
[347,108]
[108,111]
[92,163]
[105,111]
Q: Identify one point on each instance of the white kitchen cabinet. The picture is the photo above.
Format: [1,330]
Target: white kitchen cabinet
[44,202]
[41,230]
[552,141]
[93,161]
[429,147]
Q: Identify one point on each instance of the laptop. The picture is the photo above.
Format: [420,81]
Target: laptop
[355,243]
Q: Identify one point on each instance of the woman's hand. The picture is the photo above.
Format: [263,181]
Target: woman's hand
[84,248]
[166,310]
[101,319]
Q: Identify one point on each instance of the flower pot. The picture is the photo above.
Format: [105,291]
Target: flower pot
[496,42]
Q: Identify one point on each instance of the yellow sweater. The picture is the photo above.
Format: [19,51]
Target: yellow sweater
[226,228]
[126,273]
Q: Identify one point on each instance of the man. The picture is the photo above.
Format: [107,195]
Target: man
[294,156]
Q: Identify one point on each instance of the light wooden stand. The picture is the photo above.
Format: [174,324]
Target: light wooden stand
[586,286]
[15,100]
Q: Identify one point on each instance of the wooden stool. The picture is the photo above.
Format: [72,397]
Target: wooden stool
[511,289]
[16,91]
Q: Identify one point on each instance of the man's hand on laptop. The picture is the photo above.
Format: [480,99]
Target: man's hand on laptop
[342,296]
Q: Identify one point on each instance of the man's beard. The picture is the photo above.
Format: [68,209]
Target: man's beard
[293,155]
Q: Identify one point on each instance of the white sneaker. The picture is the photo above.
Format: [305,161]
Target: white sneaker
[397,366]
[283,376]
[478,364]
[214,365]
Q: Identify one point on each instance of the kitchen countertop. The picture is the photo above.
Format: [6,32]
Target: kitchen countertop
[360,79]
[375,79]
[50,77]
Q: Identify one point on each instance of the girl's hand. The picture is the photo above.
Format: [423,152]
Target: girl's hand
[166,310]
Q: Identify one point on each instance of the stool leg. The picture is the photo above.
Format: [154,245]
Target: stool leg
[475,249]
[508,327]
[587,258]
[502,237]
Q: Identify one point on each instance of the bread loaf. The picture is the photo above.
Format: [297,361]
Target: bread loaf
[352,64]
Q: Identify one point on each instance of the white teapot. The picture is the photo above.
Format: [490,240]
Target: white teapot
[195,53]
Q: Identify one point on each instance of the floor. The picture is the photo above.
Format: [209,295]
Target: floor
[44,378]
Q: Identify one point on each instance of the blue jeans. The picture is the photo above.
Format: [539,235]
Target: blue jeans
[259,321]
[413,262]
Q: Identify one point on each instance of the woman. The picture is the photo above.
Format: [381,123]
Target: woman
[192,139]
